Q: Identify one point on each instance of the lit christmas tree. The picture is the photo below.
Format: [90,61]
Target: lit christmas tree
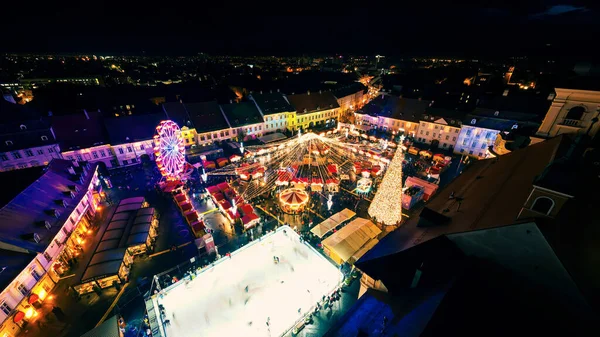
[386,206]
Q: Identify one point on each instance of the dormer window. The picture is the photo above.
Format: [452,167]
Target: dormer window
[23,127]
[515,127]
[8,142]
[496,113]
[473,121]
[44,138]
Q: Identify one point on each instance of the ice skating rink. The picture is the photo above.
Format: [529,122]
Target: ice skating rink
[216,302]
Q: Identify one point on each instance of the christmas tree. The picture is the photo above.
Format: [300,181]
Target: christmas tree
[386,206]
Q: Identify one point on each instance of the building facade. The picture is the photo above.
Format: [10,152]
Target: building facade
[42,238]
[315,110]
[278,114]
[392,114]
[245,120]
[439,128]
[573,112]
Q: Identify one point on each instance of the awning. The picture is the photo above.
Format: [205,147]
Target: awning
[349,240]
[333,221]
[18,316]
[33,298]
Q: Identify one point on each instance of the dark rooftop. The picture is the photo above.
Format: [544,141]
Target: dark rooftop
[206,116]
[407,109]
[80,131]
[240,114]
[14,182]
[271,103]
[177,113]
[46,199]
[349,90]
[313,101]
[12,264]
[25,134]
[491,193]
[129,129]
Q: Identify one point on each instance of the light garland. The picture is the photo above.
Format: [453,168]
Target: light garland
[309,153]
[386,206]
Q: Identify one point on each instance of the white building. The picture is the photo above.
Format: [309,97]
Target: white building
[25,139]
[480,129]
[439,128]
[319,109]
[245,120]
[276,110]
[392,114]
[82,137]
[41,230]
[132,137]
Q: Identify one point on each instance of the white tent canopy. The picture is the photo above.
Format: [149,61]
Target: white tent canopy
[333,221]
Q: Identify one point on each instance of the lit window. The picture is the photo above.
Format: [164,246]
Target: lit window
[129,149]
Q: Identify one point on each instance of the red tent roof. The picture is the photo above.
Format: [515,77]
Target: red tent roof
[249,218]
[180,198]
[198,226]
[191,217]
[212,189]
[332,168]
[223,186]
[218,196]
[226,205]
[186,207]
[246,208]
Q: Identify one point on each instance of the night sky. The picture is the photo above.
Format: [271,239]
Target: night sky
[173,28]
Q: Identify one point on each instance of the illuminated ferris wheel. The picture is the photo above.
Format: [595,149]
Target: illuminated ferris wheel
[169,150]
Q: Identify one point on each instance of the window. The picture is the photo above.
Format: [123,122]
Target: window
[473,121]
[447,137]
[480,154]
[23,127]
[129,149]
[35,274]
[79,158]
[421,131]
[474,144]
[471,152]
[543,205]
[465,142]
[3,157]
[95,154]
[427,133]
[5,308]
[489,135]
[496,113]
[453,139]
[22,289]
[455,130]
[102,153]
[133,161]
[142,145]
[575,113]
[483,146]
[40,152]
[121,150]
[434,135]
[469,132]
[29,153]
[444,145]
[124,162]
[16,155]
[515,126]
[50,150]
[436,127]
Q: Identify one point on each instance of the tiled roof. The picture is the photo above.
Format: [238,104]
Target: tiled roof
[349,90]
[26,212]
[272,103]
[313,101]
[407,109]
[240,114]
[80,131]
[492,191]
[486,118]
[133,128]
[25,139]
[177,113]
[206,116]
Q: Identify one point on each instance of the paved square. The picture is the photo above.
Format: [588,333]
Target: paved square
[216,303]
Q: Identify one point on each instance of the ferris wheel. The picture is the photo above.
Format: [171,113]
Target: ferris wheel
[169,150]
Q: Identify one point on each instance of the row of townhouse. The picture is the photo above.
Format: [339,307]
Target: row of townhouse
[93,136]
[475,133]
[45,217]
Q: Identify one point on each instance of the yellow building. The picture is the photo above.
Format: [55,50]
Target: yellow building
[315,110]
[277,112]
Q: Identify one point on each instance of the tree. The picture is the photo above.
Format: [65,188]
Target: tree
[386,206]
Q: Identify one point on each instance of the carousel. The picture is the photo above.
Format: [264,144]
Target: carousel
[293,200]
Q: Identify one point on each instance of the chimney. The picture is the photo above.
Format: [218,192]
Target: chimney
[261,92]
[86,114]
[277,90]
[308,92]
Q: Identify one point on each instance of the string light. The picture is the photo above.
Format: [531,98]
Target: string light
[307,156]
[386,206]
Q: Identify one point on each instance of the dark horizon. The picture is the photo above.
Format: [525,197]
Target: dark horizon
[547,29]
